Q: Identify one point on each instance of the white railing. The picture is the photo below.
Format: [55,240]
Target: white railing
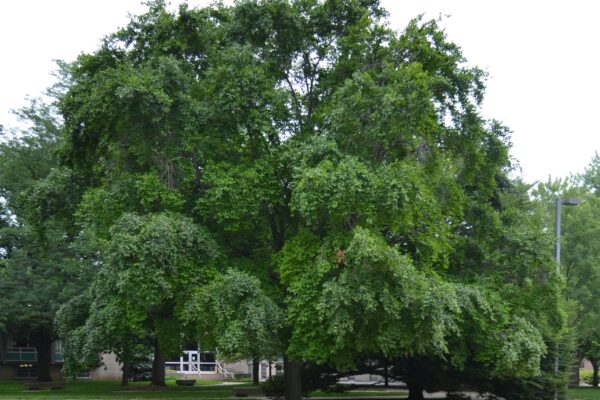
[202,367]
[189,363]
[194,367]
[223,371]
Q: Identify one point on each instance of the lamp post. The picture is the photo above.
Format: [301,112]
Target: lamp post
[569,201]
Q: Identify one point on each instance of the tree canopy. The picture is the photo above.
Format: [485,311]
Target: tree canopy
[43,263]
[580,257]
[318,185]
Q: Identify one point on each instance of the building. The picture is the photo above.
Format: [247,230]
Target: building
[19,359]
[196,364]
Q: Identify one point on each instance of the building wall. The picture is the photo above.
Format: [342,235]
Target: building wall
[109,370]
[239,367]
[56,372]
[586,364]
[244,368]
[10,372]
[7,372]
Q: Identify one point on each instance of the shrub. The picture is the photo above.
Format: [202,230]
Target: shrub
[274,386]
[585,375]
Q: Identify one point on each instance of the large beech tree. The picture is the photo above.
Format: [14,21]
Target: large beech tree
[343,165]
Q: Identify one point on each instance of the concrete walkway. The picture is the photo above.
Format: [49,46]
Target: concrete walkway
[442,395]
[435,395]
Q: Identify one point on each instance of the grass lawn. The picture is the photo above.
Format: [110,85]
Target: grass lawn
[205,390]
[104,390]
[584,393]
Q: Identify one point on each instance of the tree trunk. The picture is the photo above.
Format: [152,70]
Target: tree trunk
[255,371]
[293,379]
[42,340]
[415,391]
[158,366]
[126,368]
[3,345]
[270,369]
[595,375]
[386,377]
[414,380]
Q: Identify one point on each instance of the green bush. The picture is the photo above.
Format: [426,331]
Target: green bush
[585,375]
[274,386]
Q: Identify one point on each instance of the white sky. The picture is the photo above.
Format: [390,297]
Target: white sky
[542,58]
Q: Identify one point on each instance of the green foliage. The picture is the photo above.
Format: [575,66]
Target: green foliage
[29,154]
[578,264]
[43,262]
[152,263]
[378,303]
[338,170]
[234,316]
[155,196]
[153,258]
[100,208]
[274,386]
[237,195]
[591,176]
[521,350]
[585,375]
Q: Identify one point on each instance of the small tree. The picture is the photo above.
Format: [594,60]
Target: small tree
[151,263]
[235,317]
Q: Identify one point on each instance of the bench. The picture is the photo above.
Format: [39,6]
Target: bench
[248,392]
[43,385]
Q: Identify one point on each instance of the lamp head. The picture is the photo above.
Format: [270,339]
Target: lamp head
[570,201]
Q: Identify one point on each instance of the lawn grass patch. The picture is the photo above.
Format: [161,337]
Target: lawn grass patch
[205,390]
[104,390]
[584,393]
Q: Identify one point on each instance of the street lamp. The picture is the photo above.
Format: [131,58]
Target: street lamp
[569,201]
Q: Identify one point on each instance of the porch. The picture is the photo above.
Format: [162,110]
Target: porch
[28,355]
[199,365]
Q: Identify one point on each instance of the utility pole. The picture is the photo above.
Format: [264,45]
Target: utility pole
[557,222]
